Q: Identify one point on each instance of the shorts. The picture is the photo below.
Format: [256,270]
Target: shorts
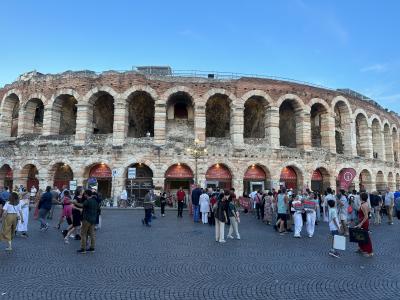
[334,232]
[69,220]
[283,217]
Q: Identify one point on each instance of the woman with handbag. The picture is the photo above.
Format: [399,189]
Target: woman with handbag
[363,213]
[11,214]
[221,217]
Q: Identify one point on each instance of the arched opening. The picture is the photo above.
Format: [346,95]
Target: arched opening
[218,116]
[219,175]
[289,123]
[319,126]
[342,128]
[103,113]
[254,117]
[6,176]
[388,143]
[377,140]
[34,112]
[64,115]
[365,179]
[291,178]
[178,175]
[390,182]
[180,115]
[380,182]
[62,176]
[141,115]
[320,180]
[138,187]
[362,143]
[101,177]
[395,140]
[9,116]
[256,178]
[397,182]
[30,173]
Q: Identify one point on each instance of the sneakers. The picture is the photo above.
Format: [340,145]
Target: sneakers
[297,236]
[238,238]
[90,250]
[229,237]
[66,241]
[222,241]
[72,236]
[8,249]
[368,254]
[81,251]
[334,254]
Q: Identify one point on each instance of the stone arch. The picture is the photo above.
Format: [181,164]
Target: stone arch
[291,111]
[6,176]
[140,88]
[146,162]
[30,176]
[256,93]
[254,117]
[380,182]
[319,120]
[184,101]
[101,117]
[90,96]
[388,141]
[178,175]
[362,135]
[298,182]
[141,112]
[33,116]
[64,112]
[365,179]
[343,121]
[103,182]
[60,174]
[390,181]
[253,174]
[320,179]
[10,107]
[219,173]
[377,138]
[219,111]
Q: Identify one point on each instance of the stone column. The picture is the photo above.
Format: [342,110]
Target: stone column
[369,144]
[272,126]
[382,156]
[44,179]
[303,129]
[351,140]
[118,183]
[120,124]
[236,127]
[328,132]
[160,116]
[356,182]
[22,123]
[200,124]
[84,124]
[48,122]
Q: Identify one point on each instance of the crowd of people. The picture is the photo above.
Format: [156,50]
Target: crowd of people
[283,210]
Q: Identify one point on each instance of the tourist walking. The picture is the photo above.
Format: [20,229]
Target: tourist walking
[282,207]
[89,215]
[32,193]
[234,220]
[66,210]
[123,198]
[364,248]
[268,208]
[22,227]
[163,202]
[221,217]
[44,206]
[11,213]
[297,209]
[334,224]
[195,203]
[73,230]
[204,203]
[180,198]
[148,207]
[376,205]
[311,207]
[343,206]
[389,203]
[258,201]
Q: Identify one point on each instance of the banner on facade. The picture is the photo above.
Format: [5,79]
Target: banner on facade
[346,177]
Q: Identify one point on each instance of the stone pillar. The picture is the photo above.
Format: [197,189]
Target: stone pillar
[237,184]
[328,132]
[351,140]
[303,129]
[382,156]
[51,122]
[200,124]
[84,124]
[356,182]
[44,180]
[369,144]
[22,122]
[272,126]
[332,181]
[120,124]
[389,148]
[236,127]
[160,116]
[118,184]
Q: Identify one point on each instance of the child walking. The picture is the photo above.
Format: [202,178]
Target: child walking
[334,226]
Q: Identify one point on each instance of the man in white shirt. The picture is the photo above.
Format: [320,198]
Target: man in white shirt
[124,198]
[33,193]
[389,203]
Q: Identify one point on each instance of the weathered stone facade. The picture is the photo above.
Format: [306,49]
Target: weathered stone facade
[120,119]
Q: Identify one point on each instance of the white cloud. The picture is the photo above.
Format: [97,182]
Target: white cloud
[377,68]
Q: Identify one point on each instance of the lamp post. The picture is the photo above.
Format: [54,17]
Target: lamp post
[196,151]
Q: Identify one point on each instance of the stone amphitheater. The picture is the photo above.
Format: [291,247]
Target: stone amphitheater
[85,127]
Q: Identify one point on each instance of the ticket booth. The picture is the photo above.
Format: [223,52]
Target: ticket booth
[255,179]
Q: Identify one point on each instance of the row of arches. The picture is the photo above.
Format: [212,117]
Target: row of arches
[317,124]
[178,175]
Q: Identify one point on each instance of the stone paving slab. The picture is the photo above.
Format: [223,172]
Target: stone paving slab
[177,259]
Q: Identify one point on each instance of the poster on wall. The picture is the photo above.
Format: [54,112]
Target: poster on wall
[73,185]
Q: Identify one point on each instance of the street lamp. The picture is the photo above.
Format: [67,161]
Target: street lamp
[196,151]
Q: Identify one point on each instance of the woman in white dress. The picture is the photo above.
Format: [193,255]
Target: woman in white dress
[204,203]
[24,204]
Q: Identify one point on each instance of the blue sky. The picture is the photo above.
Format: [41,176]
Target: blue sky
[339,44]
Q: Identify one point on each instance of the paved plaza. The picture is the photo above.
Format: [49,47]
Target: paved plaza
[176,259]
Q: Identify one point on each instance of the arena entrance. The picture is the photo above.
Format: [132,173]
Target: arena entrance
[218,175]
[137,188]
[320,180]
[62,176]
[255,179]
[177,176]
[100,176]
[31,173]
[289,178]
[6,176]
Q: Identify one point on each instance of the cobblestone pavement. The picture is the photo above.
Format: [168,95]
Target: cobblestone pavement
[176,259]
